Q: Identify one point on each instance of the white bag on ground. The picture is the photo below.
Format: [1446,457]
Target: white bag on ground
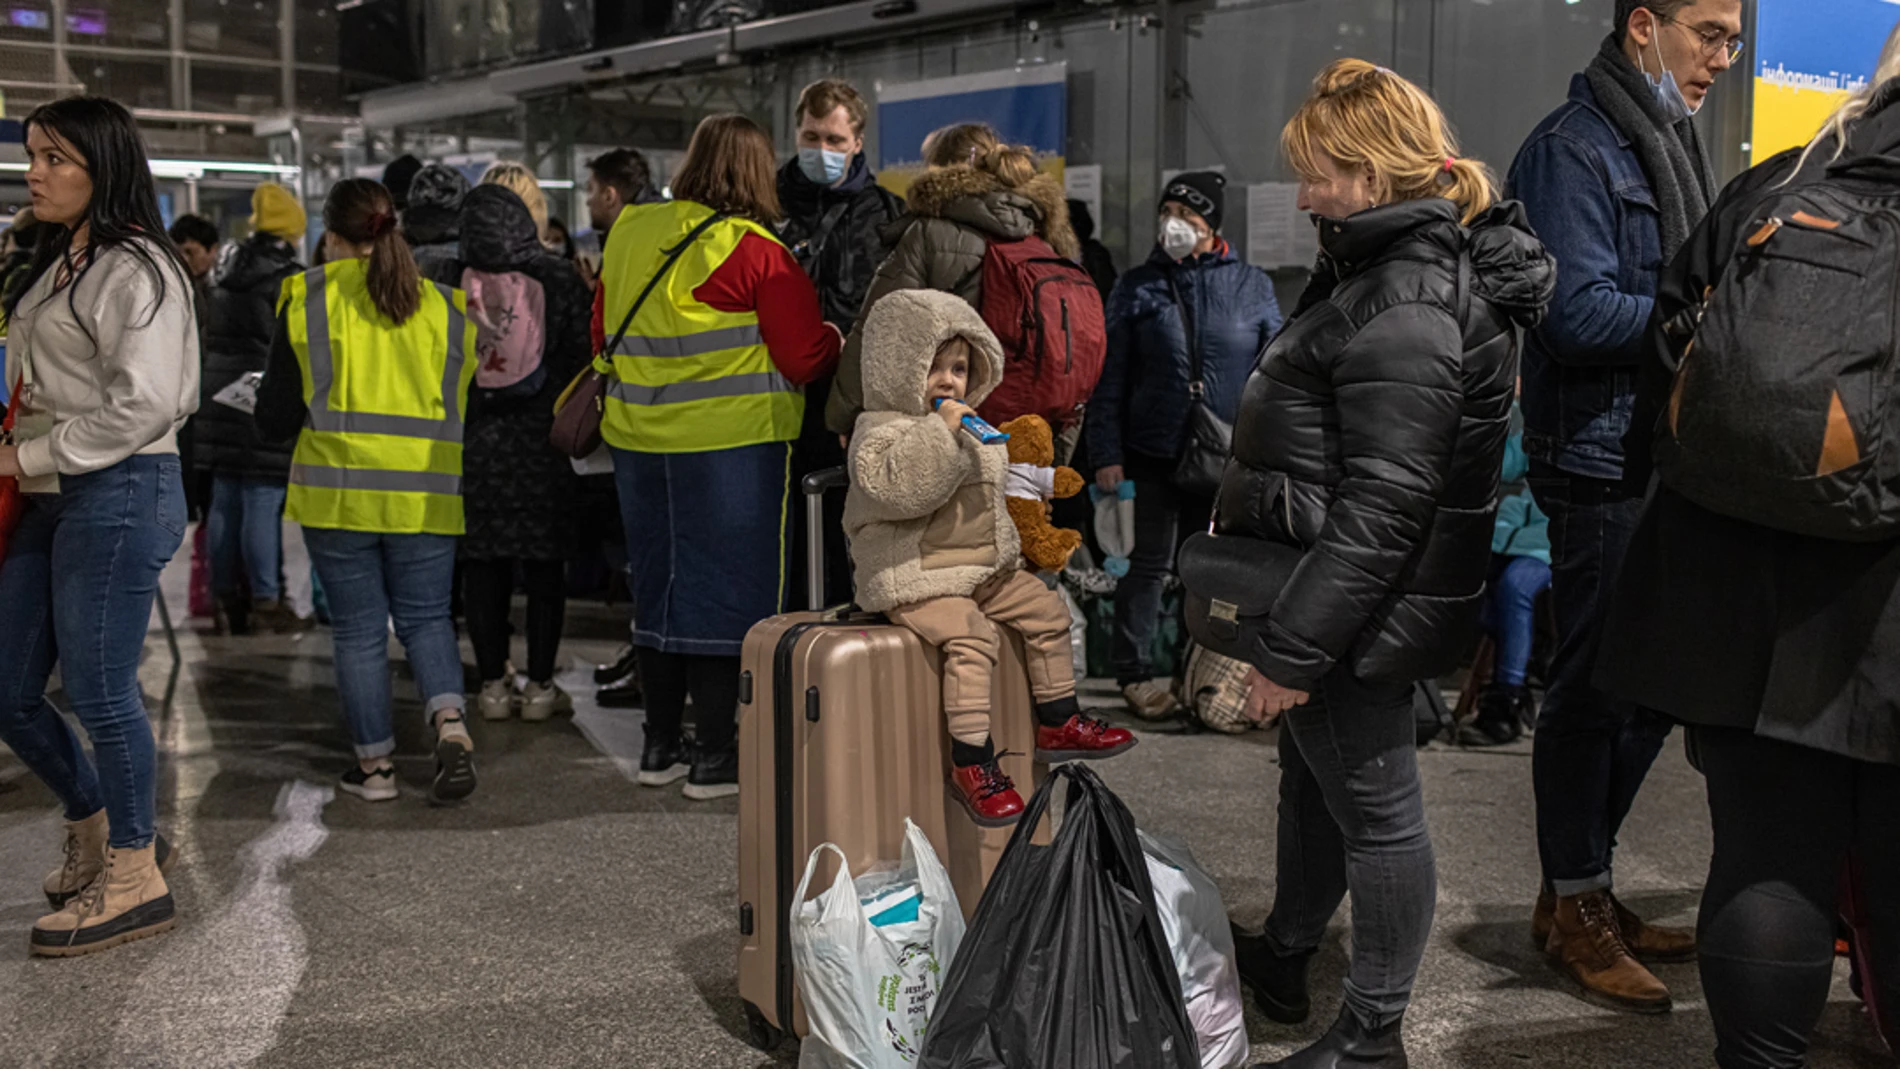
[870,985]
[1203,947]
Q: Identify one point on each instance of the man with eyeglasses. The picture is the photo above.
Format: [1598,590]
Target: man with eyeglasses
[1614,182]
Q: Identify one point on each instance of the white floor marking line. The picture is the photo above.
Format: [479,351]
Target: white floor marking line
[217,991]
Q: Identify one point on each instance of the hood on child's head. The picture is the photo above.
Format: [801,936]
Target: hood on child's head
[901,338]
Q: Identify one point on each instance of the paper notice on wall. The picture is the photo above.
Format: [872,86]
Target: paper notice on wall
[1084,183]
[1278,233]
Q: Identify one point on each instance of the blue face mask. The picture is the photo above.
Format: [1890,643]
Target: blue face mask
[822,165]
[1668,94]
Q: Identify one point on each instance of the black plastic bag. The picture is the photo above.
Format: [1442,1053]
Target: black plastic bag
[1065,965]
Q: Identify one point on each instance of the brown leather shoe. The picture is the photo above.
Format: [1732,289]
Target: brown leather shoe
[1647,942]
[1586,944]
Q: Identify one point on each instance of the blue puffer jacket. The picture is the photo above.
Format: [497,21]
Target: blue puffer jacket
[1141,403]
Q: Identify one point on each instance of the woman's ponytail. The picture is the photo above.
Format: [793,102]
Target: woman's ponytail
[362,212]
[1470,185]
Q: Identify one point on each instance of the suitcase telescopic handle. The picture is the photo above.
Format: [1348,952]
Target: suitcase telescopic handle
[816,485]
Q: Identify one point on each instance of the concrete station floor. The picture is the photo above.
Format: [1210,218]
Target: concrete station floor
[567,917]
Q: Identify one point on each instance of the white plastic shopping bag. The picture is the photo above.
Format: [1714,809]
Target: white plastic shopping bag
[870,955]
[1203,946]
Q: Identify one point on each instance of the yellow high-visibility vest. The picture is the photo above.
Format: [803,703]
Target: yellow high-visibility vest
[687,378]
[381,450]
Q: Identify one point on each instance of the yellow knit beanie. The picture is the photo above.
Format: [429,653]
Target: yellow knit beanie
[276,210]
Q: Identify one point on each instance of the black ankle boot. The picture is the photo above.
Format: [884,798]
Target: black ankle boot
[1496,722]
[1349,1044]
[1277,979]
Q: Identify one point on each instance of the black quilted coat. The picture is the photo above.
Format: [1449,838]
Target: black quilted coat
[240,319]
[1371,435]
[518,491]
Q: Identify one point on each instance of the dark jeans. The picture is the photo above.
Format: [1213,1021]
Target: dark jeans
[1510,614]
[80,577]
[1785,818]
[488,590]
[1352,817]
[713,683]
[245,526]
[1592,751]
[1164,518]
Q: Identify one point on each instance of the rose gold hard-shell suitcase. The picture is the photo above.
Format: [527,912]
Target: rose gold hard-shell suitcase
[841,737]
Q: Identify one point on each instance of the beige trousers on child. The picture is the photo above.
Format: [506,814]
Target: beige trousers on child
[965,629]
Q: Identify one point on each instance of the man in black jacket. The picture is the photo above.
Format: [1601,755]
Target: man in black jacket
[835,211]
[248,475]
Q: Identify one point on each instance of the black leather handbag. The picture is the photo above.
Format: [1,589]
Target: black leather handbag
[1231,584]
[1209,438]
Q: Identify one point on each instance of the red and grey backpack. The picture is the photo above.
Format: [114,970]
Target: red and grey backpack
[1047,314]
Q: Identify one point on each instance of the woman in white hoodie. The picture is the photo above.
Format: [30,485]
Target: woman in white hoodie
[103,355]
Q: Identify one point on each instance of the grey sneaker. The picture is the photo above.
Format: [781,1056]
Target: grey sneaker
[1149,700]
[542,700]
[497,700]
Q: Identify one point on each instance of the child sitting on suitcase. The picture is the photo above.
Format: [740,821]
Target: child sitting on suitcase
[933,545]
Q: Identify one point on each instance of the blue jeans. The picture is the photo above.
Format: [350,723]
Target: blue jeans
[1164,518]
[77,589]
[371,579]
[245,526]
[1352,817]
[1592,751]
[1510,614]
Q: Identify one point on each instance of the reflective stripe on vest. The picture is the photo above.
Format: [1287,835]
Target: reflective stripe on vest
[687,377]
[384,470]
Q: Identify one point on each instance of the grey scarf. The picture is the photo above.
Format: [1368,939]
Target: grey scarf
[1671,156]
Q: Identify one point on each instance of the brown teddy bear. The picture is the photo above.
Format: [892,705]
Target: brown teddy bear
[1033,483]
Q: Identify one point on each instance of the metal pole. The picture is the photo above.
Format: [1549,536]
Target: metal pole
[287,48]
[61,73]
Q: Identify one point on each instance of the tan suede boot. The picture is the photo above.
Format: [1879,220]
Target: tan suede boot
[85,859]
[128,901]
[1586,944]
[1647,942]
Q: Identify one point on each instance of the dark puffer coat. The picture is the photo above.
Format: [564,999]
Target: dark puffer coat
[240,319]
[1142,402]
[1372,434]
[517,491]
[842,267]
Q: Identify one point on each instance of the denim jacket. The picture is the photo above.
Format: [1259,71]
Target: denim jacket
[1591,203]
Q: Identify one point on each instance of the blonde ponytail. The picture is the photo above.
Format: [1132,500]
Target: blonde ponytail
[1887,69]
[1360,114]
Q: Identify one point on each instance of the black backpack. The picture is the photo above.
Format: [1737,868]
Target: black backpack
[1783,411]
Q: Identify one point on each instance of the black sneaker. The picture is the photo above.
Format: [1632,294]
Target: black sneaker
[622,693]
[617,671]
[715,774]
[454,763]
[1278,981]
[377,786]
[664,761]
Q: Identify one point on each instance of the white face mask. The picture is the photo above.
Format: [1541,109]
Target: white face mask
[1668,94]
[1177,237]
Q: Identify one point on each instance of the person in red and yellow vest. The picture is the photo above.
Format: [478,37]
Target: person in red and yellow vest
[370,371]
[723,331]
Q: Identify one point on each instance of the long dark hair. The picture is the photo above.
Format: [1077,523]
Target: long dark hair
[123,212]
[361,212]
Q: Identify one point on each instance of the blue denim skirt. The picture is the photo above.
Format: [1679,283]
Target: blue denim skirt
[706,543]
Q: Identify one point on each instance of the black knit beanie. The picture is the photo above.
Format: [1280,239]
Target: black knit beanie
[1201,192]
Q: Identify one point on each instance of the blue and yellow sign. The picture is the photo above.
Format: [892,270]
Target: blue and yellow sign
[1026,106]
[1809,56]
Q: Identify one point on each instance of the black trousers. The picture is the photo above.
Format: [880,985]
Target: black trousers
[1786,818]
[488,587]
[713,683]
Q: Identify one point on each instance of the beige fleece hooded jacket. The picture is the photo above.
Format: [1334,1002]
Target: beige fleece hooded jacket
[925,511]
